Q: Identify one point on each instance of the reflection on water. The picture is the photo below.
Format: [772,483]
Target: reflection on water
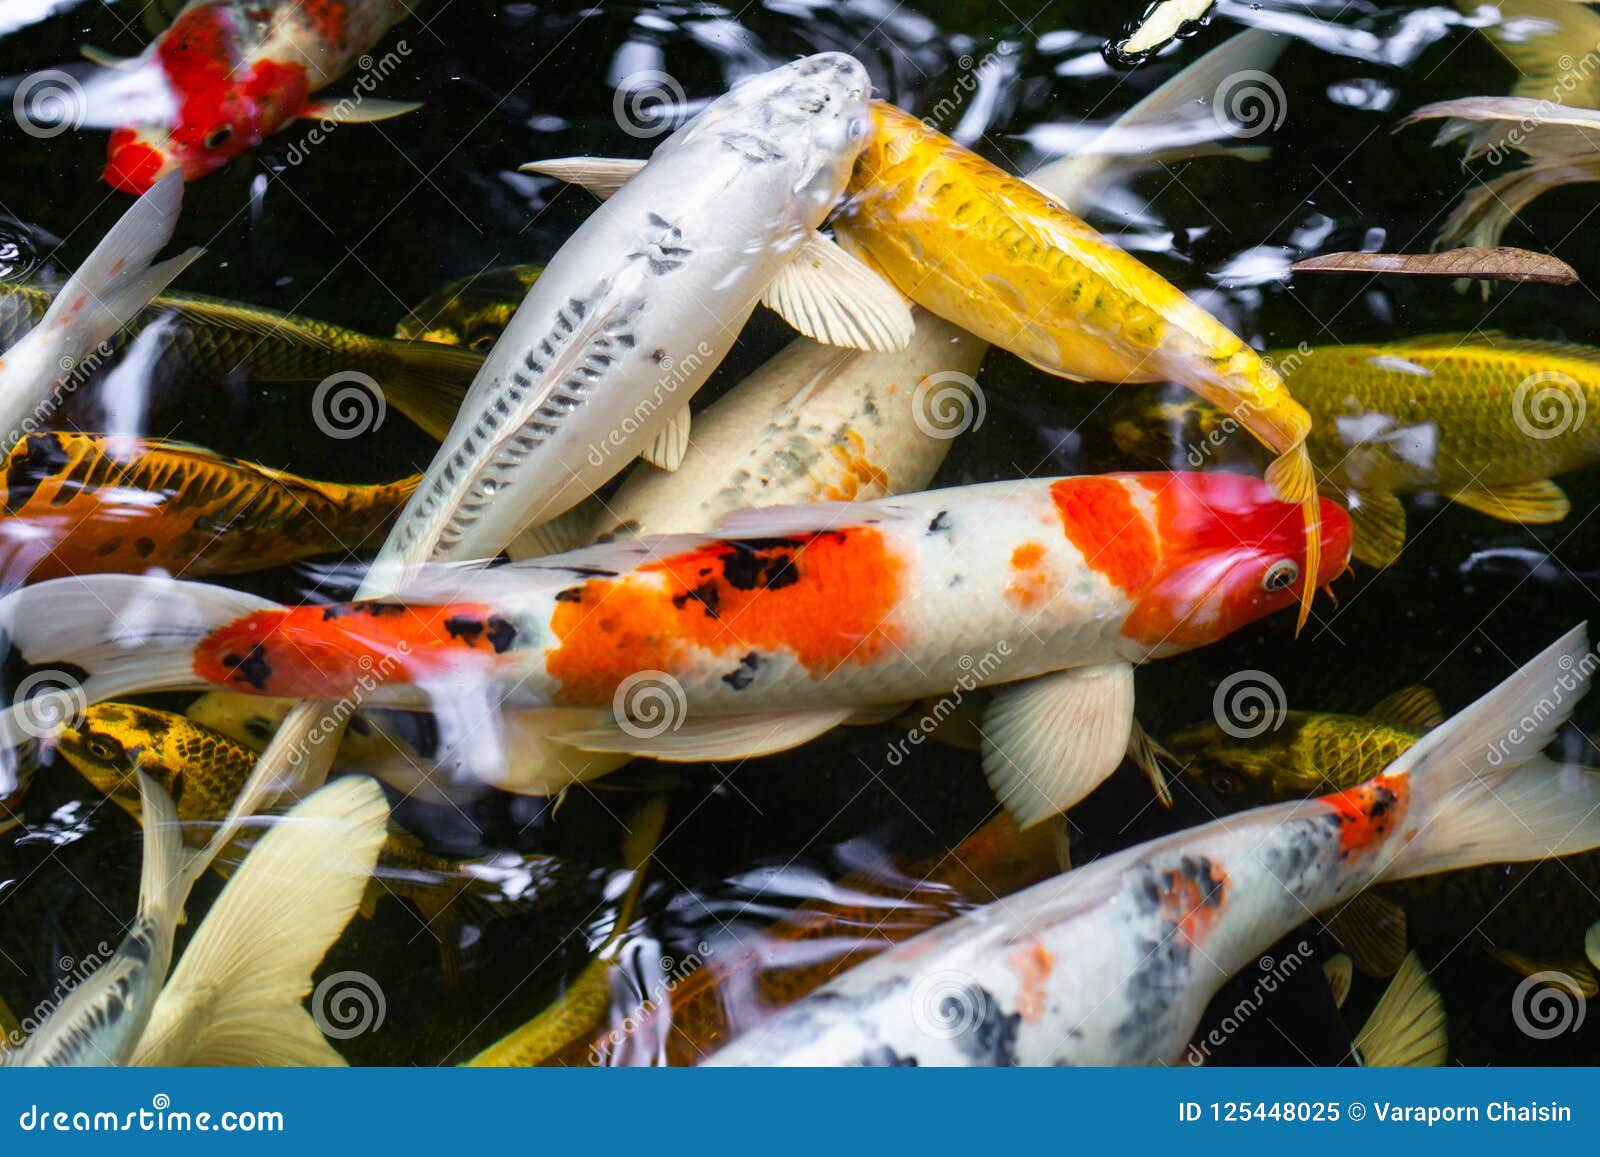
[770,873]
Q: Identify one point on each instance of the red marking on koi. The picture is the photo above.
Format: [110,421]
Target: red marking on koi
[1033,964]
[1100,519]
[1368,812]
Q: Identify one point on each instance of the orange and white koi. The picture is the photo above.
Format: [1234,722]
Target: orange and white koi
[790,622]
[999,257]
[228,74]
[1114,963]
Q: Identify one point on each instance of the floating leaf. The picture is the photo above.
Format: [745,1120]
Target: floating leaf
[1485,263]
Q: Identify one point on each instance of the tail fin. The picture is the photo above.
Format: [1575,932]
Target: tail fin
[428,380]
[1407,1028]
[162,880]
[128,633]
[1482,793]
[117,281]
[235,997]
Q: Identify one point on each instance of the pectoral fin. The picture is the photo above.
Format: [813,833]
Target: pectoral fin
[352,111]
[562,533]
[716,738]
[1340,972]
[602,176]
[1529,502]
[1378,526]
[1373,931]
[1050,741]
[830,296]
[1407,1028]
[669,446]
[1577,971]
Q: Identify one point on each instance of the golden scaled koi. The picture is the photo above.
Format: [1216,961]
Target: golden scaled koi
[1004,260]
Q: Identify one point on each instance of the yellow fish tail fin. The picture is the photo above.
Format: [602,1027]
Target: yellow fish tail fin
[236,996]
[1293,480]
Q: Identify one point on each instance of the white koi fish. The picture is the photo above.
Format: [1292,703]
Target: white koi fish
[1115,962]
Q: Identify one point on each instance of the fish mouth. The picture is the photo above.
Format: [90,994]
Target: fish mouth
[133,165]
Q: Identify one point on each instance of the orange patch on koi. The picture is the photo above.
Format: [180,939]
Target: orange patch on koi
[1033,964]
[1368,812]
[1030,577]
[1193,897]
[823,598]
[1100,519]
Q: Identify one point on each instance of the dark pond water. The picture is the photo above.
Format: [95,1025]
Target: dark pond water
[362,226]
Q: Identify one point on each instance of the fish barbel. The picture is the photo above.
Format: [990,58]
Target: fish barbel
[997,256]
[92,504]
[634,312]
[787,625]
[1114,963]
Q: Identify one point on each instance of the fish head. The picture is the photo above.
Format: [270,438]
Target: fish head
[224,103]
[109,743]
[1230,553]
[472,312]
[813,112]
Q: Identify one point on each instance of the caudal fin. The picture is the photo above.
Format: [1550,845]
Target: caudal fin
[427,381]
[236,996]
[1482,792]
[117,280]
[95,637]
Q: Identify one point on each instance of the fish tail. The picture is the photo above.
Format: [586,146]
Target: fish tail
[163,881]
[1482,792]
[90,638]
[236,996]
[1293,480]
[109,289]
[426,381]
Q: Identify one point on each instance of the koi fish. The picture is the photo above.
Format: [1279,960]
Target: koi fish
[203,771]
[472,312]
[236,996]
[1003,260]
[641,304]
[108,290]
[1483,420]
[1545,908]
[91,504]
[207,340]
[228,74]
[790,623]
[1114,963]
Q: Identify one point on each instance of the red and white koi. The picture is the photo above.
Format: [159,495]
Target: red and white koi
[226,75]
[791,622]
[1115,962]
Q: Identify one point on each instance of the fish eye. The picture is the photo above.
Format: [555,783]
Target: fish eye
[218,137]
[105,750]
[1281,574]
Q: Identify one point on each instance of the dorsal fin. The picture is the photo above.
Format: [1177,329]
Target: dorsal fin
[1416,706]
